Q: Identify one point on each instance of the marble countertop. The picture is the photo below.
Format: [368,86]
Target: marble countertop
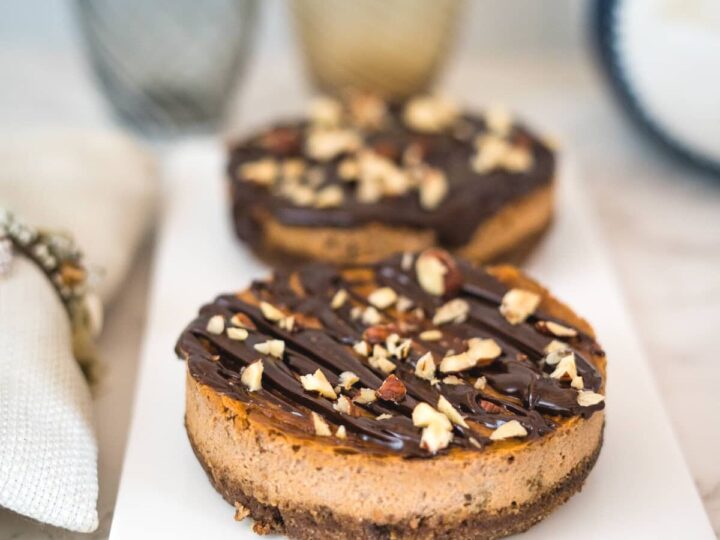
[660,219]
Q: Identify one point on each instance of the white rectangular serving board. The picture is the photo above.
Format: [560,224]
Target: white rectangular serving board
[640,487]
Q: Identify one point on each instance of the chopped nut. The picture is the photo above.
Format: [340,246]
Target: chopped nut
[325,112]
[252,376]
[325,144]
[371,316]
[433,189]
[216,325]
[369,190]
[587,398]
[379,351]
[384,416]
[518,304]
[429,114]
[401,349]
[517,159]
[392,389]
[445,407]
[403,304]
[273,347]
[341,432]
[437,272]
[566,368]
[381,173]
[499,121]
[435,437]
[483,349]
[237,334]
[378,334]
[317,382]
[339,299]
[365,396]
[457,362]
[343,405]
[437,432]
[510,429]
[431,335]
[361,347]
[407,261]
[368,111]
[490,407]
[356,312]
[329,197]
[383,297]
[553,358]
[424,414]
[270,312]
[382,364]
[347,379]
[293,169]
[453,379]
[475,442]
[555,346]
[491,152]
[348,169]
[321,426]
[287,323]
[425,367]
[455,311]
[243,321]
[555,329]
[480,383]
[577,382]
[261,172]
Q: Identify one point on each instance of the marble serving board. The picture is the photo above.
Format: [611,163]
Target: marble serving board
[640,487]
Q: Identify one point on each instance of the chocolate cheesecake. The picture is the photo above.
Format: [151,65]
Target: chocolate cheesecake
[361,179]
[416,397]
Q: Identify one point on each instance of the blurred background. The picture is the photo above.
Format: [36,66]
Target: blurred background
[631,91]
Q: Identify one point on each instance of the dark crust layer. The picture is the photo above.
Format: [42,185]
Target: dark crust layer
[322,522]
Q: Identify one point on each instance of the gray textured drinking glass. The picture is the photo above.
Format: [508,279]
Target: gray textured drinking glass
[168,66]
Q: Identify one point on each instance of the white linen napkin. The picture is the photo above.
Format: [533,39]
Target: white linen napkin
[99,187]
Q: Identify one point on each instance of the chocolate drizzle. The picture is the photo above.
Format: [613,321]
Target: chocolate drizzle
[472,197]
[518,383]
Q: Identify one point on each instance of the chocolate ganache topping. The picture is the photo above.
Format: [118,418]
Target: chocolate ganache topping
[413,355]
[421,164]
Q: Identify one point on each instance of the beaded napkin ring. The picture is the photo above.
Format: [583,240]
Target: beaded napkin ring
[61,261]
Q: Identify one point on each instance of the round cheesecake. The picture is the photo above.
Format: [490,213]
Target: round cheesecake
[416,397]
[361,179]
